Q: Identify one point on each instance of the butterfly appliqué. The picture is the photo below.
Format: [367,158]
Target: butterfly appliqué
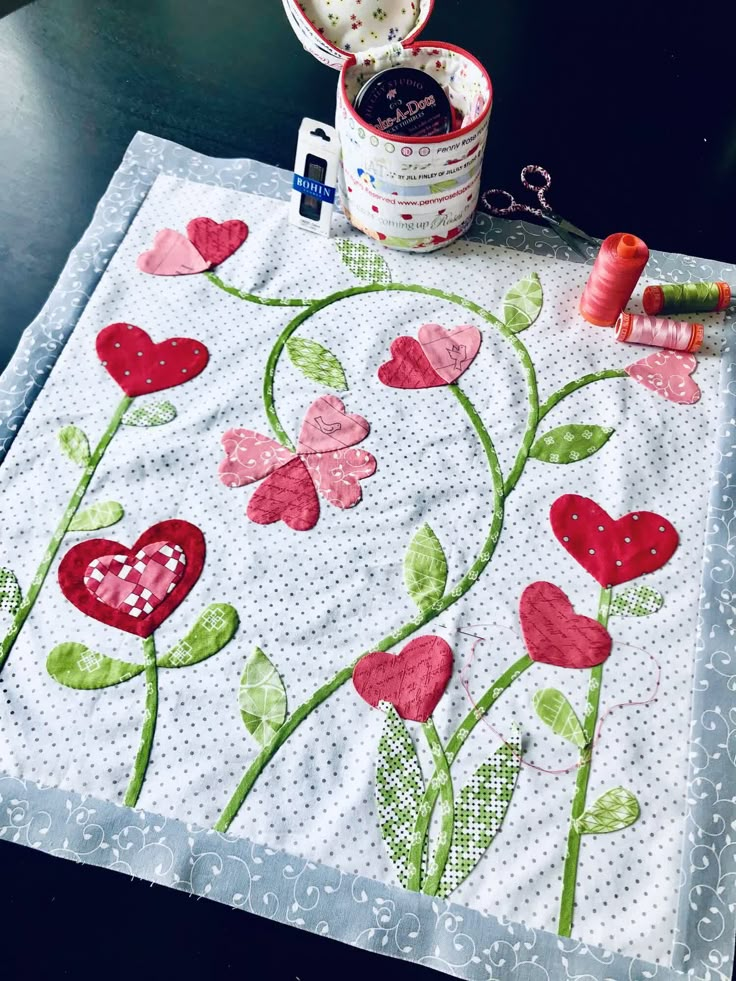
[326,462]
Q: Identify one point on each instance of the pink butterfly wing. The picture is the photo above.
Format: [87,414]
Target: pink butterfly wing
[337,475]
[249,457]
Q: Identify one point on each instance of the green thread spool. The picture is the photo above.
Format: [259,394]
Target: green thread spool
[686,298]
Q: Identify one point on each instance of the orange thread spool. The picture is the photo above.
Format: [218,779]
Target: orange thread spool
[615,273]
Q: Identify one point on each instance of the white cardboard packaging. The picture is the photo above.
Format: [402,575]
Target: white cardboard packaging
[315,177]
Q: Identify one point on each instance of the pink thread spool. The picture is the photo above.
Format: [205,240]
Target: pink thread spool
[677,335]
[612,279]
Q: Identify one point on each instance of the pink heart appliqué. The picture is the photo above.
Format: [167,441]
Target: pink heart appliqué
[612,550]
[409,366]
[289,495]
[136,584]
[449,350]
[412,681]
[327,427]
[555,634]
[171,255]
[668,374]
[216,241]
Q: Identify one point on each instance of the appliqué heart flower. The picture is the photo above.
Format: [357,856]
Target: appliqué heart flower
[438,357]
[612,550]
[668,374]
[413,680]
[325,462]
[555,634]
[134,588]
[140,366]
[208,244]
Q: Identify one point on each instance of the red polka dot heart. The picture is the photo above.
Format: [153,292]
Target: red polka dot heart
[140,366]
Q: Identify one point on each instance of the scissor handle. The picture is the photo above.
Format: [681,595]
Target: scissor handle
[537,179]
[510,206]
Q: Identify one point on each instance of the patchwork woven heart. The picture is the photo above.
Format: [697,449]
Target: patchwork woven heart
[136,588]
[139,366]
[136,584]
[612,550]
[216,241]
[171,255]
[555,634]
[412,681]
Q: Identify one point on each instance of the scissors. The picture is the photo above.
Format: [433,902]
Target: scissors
[538,180]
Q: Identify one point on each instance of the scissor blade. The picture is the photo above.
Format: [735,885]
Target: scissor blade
[574,230]
[568,239]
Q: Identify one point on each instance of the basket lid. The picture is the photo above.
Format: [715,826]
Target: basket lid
[336,31]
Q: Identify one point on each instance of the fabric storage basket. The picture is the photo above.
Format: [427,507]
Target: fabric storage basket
[410,193]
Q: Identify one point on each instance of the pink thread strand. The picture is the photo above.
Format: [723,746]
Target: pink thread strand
[599,728]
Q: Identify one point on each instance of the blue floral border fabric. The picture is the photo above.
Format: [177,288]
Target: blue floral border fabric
[355,910]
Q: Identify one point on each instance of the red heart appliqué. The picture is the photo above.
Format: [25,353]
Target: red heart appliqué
[409,366]
[109,581]
[139,366]
[612,550]
[555,634]
[216,241]
[413,681]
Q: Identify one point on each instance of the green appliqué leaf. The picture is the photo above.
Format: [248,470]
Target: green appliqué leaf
[316,363]
[425,568]
[555,711]
[150,414]
[74,444]
[637,601]
[399,790]
[97,516]
[262,698]
[364,263]
[522,304]
[570,443]
[614,810]
[214,627]
[10,594]
[76,666]
[479,813]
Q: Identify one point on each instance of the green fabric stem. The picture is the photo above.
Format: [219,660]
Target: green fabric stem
[590,721]
[149,724]
[443,783]
[574,386]
[6,645]
[392,640]
[265,301]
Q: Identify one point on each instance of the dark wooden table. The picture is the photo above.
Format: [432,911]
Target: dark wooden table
[629,105]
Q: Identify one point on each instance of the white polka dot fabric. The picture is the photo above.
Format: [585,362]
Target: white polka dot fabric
[313,601]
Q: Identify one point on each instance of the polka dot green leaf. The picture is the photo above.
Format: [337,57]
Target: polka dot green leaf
[570,443]
[522,304]
[425,568]
[316,363]
[638,601]
[150,414]
[74,444]
[215,626]
[97,516]
[262,698]
[479,813]
[399,791]
[10,594]
[615,809]
[364,263]
[76,666]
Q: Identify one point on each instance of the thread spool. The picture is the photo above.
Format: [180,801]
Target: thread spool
[677,335]
[615,273]
[686,298]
